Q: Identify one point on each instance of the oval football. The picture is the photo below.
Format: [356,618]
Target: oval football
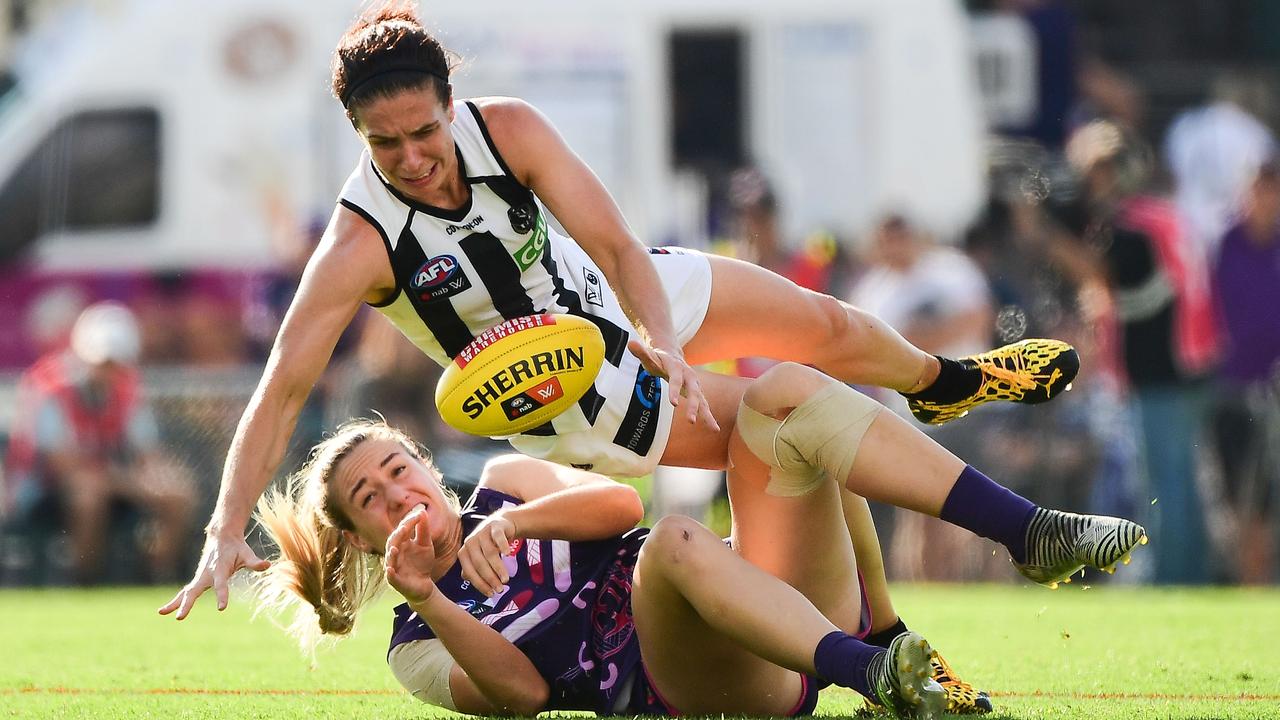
[520,374]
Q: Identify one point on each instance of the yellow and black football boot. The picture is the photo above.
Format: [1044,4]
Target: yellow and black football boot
[1028,372]
[962,698]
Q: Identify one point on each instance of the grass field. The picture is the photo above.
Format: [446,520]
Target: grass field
[1098,653]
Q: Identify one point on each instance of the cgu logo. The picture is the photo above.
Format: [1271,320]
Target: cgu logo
[435,271]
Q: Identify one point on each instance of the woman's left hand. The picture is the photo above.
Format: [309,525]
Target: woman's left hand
[483,551]
[685,390]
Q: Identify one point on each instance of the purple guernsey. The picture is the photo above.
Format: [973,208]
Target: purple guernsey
[567,606]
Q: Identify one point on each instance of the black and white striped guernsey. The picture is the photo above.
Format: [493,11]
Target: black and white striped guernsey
[460,272]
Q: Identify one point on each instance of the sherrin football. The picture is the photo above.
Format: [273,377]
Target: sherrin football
[520,374]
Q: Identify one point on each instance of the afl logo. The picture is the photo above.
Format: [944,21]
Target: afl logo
[435,271]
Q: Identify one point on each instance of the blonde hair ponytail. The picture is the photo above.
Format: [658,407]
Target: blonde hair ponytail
[318,573]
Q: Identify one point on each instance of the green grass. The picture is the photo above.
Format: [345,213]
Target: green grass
[1100,653]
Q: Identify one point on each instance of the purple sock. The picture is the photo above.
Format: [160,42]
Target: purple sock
[980,505]
[843,659]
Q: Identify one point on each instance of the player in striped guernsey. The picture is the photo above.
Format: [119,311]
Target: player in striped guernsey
[443,227]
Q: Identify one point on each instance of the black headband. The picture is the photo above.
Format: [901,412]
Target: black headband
[354,87]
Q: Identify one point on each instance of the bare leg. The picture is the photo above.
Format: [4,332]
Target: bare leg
[896,463]
[87,498]
[755,312]
[695,446]
[802,540]
[866,548]
[165,490]
[891,445]
[698,605]
[690,586]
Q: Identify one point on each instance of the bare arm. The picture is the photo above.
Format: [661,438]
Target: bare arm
[490,674]
[560,503]
[487,674]
[543,162]
[349,267]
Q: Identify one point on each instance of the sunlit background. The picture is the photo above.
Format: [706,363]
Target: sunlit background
[181,157]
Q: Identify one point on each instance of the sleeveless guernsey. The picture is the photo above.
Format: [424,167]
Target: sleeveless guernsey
[460,272]
[567,606]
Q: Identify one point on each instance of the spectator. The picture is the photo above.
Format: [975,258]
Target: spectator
[1213,152]
[1247,398]
[940,301]
[935,296]
[817,266]
[84,439]
[1134,244]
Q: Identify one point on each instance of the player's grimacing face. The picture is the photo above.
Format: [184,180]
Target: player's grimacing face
[409,138]
[379,482]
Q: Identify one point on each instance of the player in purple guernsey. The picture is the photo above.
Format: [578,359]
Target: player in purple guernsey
[496,621]
[535,598]
[565,604]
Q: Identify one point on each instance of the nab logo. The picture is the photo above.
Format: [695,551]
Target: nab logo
[435,271]
[440,277]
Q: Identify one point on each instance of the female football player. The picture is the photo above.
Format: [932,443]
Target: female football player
[442,226]
[539,595]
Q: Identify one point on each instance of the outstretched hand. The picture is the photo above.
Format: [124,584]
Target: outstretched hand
[411,556]
[685,390]
[222,556]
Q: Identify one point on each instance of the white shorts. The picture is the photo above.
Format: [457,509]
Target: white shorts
[631,430]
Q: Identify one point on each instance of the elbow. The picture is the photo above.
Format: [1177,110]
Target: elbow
[529,702]
[537,701]
[630,506]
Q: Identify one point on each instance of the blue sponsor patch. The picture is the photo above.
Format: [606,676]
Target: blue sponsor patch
[639,426]
[648,389]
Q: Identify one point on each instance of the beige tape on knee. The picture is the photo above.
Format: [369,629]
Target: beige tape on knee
[817,440]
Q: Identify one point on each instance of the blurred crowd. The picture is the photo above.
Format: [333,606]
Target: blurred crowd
[1156,254]
[1159,258]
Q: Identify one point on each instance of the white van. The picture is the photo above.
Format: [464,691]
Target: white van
[175,136]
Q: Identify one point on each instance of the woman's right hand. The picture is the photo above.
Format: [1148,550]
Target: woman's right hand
[224,553]
[411,556]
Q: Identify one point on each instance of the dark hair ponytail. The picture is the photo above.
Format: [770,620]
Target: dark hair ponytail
[387,51]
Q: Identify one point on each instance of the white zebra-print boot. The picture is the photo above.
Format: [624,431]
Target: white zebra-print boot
[1060,543]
